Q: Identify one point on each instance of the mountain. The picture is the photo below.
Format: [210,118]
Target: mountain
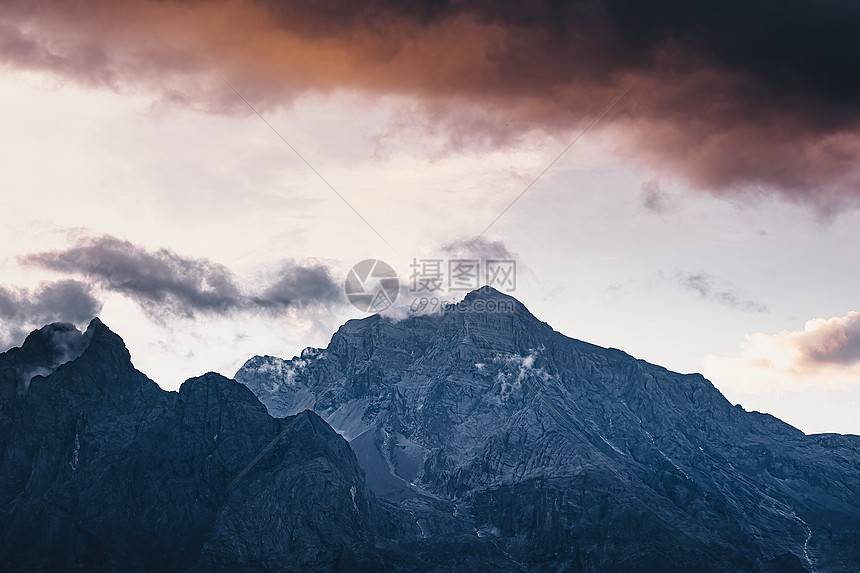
[479,439]
[102,470]
[570,456]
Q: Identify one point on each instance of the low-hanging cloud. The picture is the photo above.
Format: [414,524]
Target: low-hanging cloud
[59,301]
[733,97]
[23,309]
[166,283]
[714,289]
[428,283]
[300,285]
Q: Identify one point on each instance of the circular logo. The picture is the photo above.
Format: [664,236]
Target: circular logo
[371,286]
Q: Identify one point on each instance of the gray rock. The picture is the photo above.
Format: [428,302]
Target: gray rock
[567,455]
[104,471]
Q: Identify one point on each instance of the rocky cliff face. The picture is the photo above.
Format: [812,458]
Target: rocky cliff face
[479,439]
[103,470]
[571,456]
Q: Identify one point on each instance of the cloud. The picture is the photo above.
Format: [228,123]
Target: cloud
[60,301]
[654,199]
[498,267]
[299,286]
[427,284]
[832,341]
[716,290]
[825,353]
[22,309]
[478,248]
[733,97]
[165,283]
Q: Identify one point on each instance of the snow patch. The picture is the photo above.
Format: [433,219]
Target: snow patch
[280,372]
[352,491]
[75,453]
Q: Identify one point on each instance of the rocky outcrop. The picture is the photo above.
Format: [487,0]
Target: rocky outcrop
[102,470]
[479,439]
[571,456]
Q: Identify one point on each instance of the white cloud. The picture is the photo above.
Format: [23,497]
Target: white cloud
[825,354]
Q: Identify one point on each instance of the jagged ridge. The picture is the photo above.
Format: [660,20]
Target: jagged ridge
[103,470]
[576,456]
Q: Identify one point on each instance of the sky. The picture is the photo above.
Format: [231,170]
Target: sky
[677,180]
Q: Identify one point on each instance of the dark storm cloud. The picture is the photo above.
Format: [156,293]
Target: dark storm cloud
[711,288]
[732,96]
[61,301]
[299,285]
[158,277]
[167,283]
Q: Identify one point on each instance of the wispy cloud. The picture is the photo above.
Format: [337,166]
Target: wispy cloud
[714,289]
[165,283]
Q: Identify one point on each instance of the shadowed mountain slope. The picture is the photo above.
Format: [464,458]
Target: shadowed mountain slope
[101,470]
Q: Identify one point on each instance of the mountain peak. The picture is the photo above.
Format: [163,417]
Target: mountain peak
[538,434]
[487,292]
[104,345]
[60,342]
[55,344]
[489,300]
[42,352]
[502,314]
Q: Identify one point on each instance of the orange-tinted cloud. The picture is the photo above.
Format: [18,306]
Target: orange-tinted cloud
[832,341]
[732,97]
[825,353]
